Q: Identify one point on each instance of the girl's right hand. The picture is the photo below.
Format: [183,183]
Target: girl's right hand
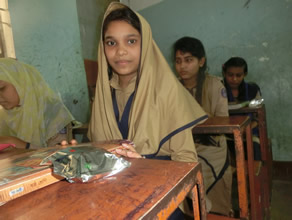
[127,150]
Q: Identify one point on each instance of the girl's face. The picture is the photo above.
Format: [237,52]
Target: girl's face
[186,65]
[234,76]
[122,44]
[8,95]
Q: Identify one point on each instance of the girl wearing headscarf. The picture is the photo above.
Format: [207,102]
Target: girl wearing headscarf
[31,114]
[137,96]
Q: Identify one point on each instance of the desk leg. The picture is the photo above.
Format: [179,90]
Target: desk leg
[263,134]
[198,195]
[251,174]
[266,154]
[241,174]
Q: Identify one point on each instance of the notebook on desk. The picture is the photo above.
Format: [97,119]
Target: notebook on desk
[233,106]
[21,172]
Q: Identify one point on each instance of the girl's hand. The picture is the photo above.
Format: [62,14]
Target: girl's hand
[12,140]
[127,150]
[72,142]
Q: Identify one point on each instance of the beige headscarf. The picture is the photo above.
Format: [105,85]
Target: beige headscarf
[41,113]
[161,106]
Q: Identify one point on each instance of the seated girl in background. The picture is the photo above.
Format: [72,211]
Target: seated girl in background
[234,70]
[31,114]
[191,65]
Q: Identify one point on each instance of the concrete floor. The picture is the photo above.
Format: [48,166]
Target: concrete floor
[281,203]
[281,200]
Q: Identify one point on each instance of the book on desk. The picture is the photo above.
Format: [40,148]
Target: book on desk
[21,172]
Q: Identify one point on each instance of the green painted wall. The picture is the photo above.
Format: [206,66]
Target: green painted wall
[90,19]
[47,36]
[260,31]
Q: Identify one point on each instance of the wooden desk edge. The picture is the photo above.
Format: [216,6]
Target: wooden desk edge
[215,125]
[192,181]
[247,109]
[27,184]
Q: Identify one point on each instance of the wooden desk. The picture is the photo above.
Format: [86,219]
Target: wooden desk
[236,125]
[266,156]
[148,189]
[262,124]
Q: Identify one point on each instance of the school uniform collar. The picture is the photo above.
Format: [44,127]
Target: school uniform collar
[114,83]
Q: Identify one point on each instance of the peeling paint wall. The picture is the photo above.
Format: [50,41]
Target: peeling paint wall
[260,31]
[46,35]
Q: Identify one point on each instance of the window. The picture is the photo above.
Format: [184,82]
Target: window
[6,36]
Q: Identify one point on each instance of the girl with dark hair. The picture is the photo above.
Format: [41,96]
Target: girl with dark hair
[234,70]
[191,65]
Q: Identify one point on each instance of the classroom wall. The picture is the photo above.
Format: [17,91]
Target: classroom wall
[90,17]
[46,35]
[260,31]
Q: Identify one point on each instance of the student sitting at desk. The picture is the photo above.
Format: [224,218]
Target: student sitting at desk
[31,114]
[191,65]
[234,71]
[137,95]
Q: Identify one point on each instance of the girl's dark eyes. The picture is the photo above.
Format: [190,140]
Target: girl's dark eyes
[132,41]
[234,75]
[2,85]
[110,43]
[113,43]
[2,88]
